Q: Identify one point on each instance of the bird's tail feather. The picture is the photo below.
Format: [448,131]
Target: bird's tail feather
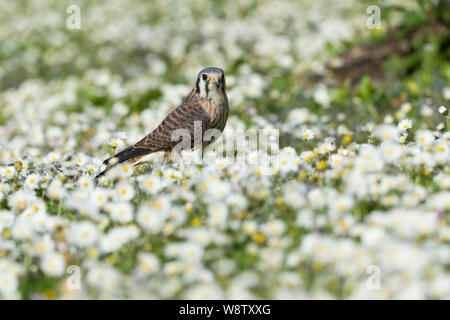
[132,154]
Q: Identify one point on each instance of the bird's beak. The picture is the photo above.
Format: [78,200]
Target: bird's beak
[215,81]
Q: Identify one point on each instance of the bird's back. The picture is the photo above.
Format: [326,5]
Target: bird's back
[183,119]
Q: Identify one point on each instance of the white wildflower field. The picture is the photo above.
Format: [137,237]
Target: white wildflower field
[357,206]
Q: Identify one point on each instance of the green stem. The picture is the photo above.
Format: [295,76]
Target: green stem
[59,207]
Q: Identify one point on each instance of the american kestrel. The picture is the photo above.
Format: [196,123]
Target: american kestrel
[205,107]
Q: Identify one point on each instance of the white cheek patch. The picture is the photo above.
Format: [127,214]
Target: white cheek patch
[203,88]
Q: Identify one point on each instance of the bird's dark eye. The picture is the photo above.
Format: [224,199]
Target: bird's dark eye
[204,77]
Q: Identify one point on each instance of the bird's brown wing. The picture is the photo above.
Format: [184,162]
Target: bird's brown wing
[183,117]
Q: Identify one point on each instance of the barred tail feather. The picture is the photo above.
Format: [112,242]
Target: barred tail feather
[132,154]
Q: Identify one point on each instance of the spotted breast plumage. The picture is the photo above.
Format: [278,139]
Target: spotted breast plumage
[205,107]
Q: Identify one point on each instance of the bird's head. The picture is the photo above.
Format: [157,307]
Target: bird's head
[210,83]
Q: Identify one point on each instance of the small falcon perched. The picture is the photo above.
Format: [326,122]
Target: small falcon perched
[206,104]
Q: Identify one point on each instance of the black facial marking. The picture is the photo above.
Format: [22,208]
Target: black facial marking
[197,85]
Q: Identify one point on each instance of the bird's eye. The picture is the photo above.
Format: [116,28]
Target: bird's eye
[205,77]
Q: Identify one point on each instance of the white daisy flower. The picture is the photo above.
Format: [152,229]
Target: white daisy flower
[9,283]
[121,212]
[32,181]
[150,183]
[8,172]
[123,192]
[307,134]
[149,219]
[404,125]
[53,264]
[83,234]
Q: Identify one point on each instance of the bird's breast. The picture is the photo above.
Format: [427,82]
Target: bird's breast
[217,110]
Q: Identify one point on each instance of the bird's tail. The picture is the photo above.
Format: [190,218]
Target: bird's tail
[131,154]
